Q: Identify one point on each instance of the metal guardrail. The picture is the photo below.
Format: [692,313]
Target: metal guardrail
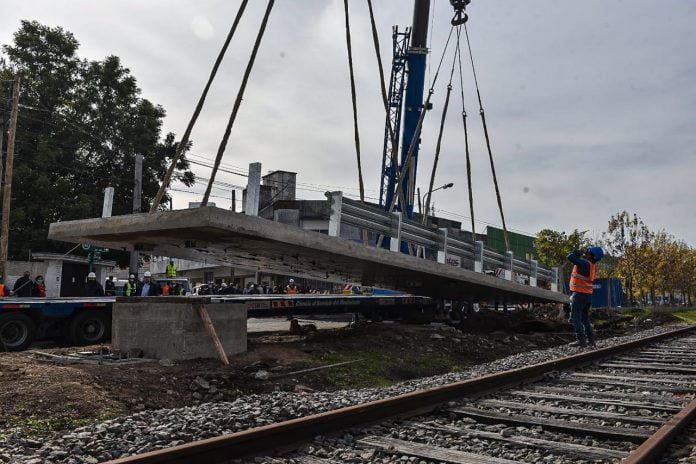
[437,243]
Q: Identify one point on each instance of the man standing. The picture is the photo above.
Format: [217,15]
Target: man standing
[23,286]
[291,288]
[110,287]
[147,287]
[93,288]
[130,288]
[171,269]
[3,289]
[581,280]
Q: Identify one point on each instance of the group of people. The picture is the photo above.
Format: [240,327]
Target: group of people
[251,288]
[25,287]
[134,287]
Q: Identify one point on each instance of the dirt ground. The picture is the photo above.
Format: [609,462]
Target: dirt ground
[38,395]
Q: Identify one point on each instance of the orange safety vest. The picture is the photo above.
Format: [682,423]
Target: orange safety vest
[579,283]
[165,290]
[2,290]
[291,290]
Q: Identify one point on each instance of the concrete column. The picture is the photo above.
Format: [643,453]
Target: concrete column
[251,208]
[335,205]
[478,256]
[533,272]
[108,202]
[442,254]
[395,242]
[54,269]
[554,279]
[509,259]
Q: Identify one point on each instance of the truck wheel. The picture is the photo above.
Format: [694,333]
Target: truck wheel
[17,331]
[89,328]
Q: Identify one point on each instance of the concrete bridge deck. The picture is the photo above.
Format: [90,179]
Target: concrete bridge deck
[225,238]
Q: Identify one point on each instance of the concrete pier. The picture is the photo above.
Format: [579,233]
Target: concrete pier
[171,328]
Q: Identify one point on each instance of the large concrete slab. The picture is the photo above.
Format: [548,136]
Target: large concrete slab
[170,327]
[222,237]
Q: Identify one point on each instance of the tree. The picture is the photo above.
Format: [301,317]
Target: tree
[624,238]
[553,248]
[81,125]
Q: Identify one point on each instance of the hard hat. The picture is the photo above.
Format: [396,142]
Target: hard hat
[292,281]
[91,275]
[147,274]
[597,252]
[131,276]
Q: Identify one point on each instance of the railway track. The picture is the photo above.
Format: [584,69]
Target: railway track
[618,404]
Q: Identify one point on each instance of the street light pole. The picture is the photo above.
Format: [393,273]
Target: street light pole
[427,200]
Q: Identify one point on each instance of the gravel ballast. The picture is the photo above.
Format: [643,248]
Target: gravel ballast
[156,429]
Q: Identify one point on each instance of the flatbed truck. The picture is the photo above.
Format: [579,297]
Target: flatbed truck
[87,321]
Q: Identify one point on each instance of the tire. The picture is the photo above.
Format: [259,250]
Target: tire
[89,327]
[17,331]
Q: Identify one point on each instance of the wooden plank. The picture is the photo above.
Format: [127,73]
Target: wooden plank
[396,446]
[569,427]
[613,395]
[605,402]
[649,367]
[571,412]
[203,312]
[563,449]
[656,359]
[636,386]
[642,378]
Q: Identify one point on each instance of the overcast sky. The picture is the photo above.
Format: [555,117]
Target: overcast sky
[591,104]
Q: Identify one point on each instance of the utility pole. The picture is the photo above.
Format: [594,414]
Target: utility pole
[7,194]
[137,202]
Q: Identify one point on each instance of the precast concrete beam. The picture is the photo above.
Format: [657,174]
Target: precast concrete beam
[232,239]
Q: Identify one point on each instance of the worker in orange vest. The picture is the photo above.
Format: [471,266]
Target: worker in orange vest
[581,284]
[166,289]
[3,289]
[291,288]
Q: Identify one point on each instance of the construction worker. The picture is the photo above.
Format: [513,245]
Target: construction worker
[23,286]
[581,280]
[93,288]
[171,269]
[291,288]
[147,287]
[167,288]
[130,288]
[110,287]
[3,289]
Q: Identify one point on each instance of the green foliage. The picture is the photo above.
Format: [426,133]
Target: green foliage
[80,125]
[687,316]
[553,246]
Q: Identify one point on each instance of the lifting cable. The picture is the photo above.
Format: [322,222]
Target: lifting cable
[488,142]
[237,103]
[416,136]
[385,99]
[184,143]
[439,137]
[466,136]
[355,105]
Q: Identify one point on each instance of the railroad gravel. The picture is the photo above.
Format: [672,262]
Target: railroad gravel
[152,430]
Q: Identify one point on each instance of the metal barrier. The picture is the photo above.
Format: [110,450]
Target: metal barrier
[451,250]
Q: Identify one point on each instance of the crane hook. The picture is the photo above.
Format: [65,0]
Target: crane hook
[460,17]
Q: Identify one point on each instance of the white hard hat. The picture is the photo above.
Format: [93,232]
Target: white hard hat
[292,281]
[91,275]
[147,274]
[131,276]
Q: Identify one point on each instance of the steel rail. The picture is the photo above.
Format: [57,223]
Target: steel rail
[283,435]
[651,450]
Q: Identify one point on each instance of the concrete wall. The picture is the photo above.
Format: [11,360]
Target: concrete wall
[171,328]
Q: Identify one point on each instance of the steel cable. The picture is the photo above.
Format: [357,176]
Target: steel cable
[488,142]
[238,101]
[466,135]
[187,134]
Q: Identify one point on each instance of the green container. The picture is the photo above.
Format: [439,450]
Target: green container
[523,246]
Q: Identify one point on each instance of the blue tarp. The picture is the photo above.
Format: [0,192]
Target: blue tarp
[601,293]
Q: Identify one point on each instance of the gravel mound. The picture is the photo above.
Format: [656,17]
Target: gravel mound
[151,430]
